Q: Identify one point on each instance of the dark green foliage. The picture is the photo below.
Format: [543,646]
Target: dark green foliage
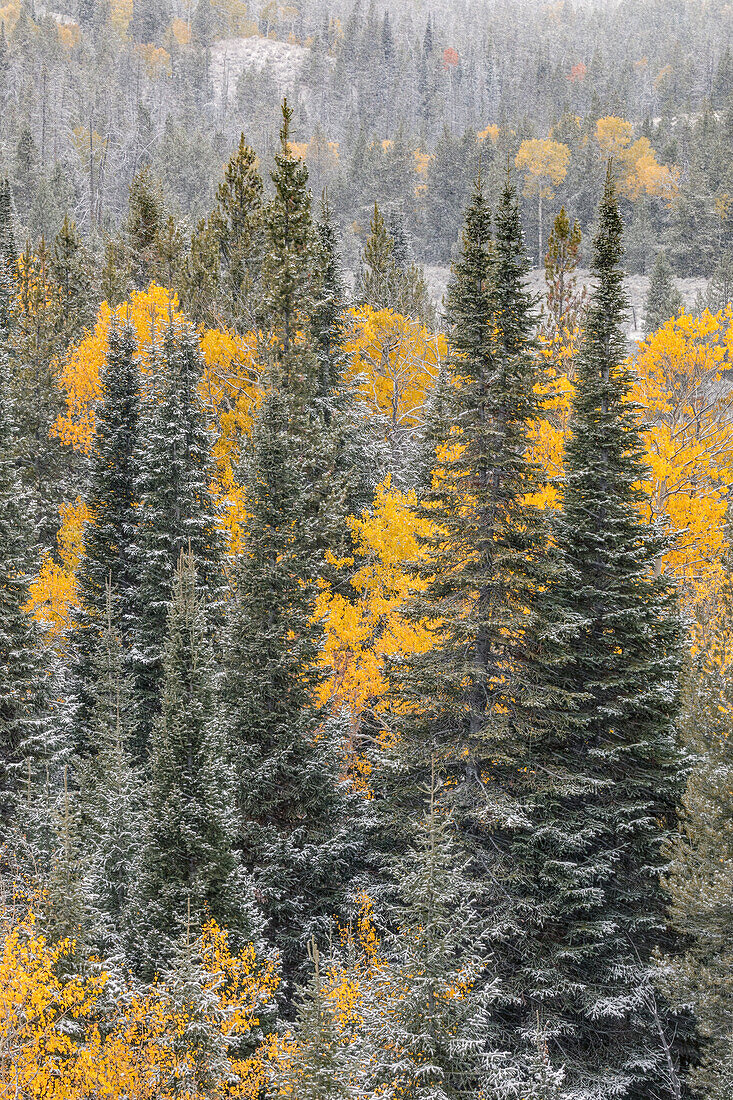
[237,226]
[73,272]
[387,278]
[700,877]
[293,824]
[664,300]
[111,795]
[607,775]
[19,667]
[189,870]
[8,255]
[110,537]
[289,244]
[176,511]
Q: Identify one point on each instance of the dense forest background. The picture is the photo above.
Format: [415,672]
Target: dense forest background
[366,551]
[393,104]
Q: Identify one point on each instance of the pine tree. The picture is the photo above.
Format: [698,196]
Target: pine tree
[379,274]
[110,537]
[428,1014]
[605,773]
[176,510]
[289,243]
[488,554]
[357,453]
[111,789]
[565,301]
[143,232]
[19,668]
[700,878]
[663,299]
[73,271]
[237,223]
[8,255]
[292,813]
[189,870]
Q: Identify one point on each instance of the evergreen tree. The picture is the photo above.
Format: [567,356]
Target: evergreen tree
[176,510]
[293,816]
[110,537]
[73,271]
[429,1011]
[34,345]
[8,255]
[379,274]
[292,813]
[663,299]
[189,870]
[111,789]
[565,301]
[700,878]
[289,244]
[237,223]
[488,553]
[19,669]
[605,771]
[141,248]
[387,278]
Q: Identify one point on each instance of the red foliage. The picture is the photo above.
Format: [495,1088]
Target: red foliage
[577,73]
[450,58]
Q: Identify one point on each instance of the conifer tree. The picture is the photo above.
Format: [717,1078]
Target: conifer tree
[292,814]
[73,271]
[176,510]
[289,245]
[379,275]
[111,789]
[19,671]
[356,450]
[110,537]
[189,870]
[700,878]
[606,773]
[237,223]
[565,300]
[8,254]
[488,555]
[663,299]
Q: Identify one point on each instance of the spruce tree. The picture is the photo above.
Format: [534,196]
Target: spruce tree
[379,274]
[605,773]
[8,254]
[73,271]
[289,244]
[176,509]
[565,301]
[189,869]
[700,878]
[237,223]
[486,561]
[19,666]
[111,789]
[110,537]
[292,812]
[663,300]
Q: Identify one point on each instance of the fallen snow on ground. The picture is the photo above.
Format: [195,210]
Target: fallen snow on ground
[230,57]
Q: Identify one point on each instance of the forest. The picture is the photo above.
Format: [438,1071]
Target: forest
[366,651]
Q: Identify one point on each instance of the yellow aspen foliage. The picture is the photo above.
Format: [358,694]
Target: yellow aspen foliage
[689,441]
[362,632]
[637,167]
[544,163]
[547,435]
[52,594]
[61,1039]
[229,387]
[685,407]
[395,362]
